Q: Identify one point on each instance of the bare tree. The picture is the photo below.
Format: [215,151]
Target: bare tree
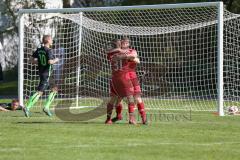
[66,3]
[8,32]
[232,5]
[95,3]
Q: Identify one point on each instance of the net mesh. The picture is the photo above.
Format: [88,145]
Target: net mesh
[177,48]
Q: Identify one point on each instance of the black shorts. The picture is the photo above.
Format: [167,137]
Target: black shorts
[46,81]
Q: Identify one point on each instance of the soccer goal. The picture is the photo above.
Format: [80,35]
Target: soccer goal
[189,53]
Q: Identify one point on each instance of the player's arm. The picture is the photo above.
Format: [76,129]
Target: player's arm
[52,59]
[134,57]
[125,55]
[3,109]
[113,50]
[136,60]
[34,58]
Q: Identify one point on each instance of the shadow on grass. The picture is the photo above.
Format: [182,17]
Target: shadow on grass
[74,122]
[62,122]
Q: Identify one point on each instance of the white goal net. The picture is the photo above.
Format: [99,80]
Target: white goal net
[178,46]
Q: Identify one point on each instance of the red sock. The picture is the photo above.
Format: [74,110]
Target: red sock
[131,108]
[109,110]
[141,109]
[119,108]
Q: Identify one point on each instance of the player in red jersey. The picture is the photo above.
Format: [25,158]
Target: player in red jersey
[120,86]
[130,67]
[115,45]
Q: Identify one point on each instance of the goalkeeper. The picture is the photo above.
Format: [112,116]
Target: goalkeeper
[44,58]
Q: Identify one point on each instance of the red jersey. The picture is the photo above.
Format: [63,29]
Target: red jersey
[119,66]
[124,78]
[131,64]
[116,65]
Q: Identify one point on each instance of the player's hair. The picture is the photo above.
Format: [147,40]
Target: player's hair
[45,39]
[15,101]
[114,43]
[125,39]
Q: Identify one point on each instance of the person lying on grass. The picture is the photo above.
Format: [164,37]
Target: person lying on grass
[13,106]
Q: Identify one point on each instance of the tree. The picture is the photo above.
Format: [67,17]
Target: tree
[8,32]
[94,3]
[231,5]
[66,3]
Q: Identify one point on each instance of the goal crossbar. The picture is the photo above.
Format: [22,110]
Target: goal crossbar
[120,8]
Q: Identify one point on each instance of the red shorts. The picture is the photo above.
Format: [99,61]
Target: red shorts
[121,86]
[125,84]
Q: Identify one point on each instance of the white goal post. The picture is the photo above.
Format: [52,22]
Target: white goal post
[189,53]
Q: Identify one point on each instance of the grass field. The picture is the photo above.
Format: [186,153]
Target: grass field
[204,136]
[8,88]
